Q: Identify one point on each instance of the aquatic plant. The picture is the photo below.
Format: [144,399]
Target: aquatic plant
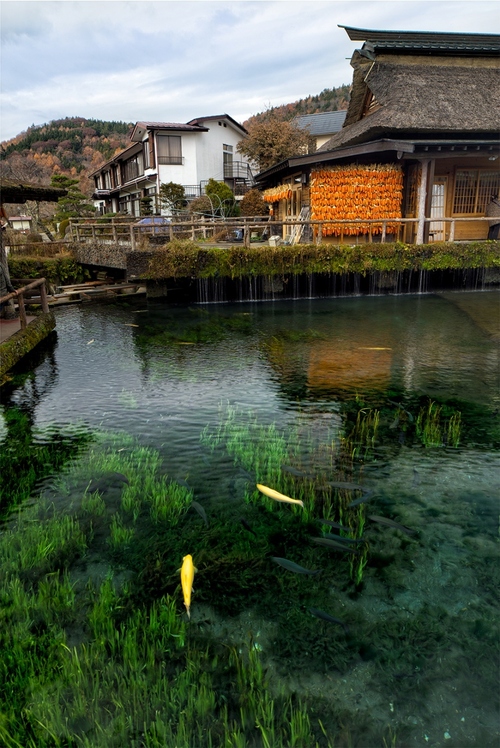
[432,431]
[35,544]
[115,468]
[28,454]
[168,499]
[93,503]
[362,438]
[454,430]
[120,537]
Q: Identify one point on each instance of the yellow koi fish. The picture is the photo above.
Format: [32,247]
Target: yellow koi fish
[278,496]
[187,576]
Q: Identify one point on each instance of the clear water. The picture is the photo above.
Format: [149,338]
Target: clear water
[423,621]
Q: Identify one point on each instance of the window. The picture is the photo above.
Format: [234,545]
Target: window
[227,155]
[133,168]
[145,148]
[473,190]
[169,149]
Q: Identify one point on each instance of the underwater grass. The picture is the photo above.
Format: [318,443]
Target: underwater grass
[264,453]
[116,471]
[432,431]
[111,664]
[141,679]
[28,454]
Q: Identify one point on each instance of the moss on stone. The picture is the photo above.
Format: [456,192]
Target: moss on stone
[188,259]
[23,341]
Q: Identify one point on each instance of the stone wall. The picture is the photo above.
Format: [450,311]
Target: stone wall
[137,263]
[101,254]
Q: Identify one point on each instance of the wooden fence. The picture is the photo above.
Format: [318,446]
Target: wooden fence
[248,230]
[20,293]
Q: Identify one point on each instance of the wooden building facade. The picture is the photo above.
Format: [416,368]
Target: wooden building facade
[420,141]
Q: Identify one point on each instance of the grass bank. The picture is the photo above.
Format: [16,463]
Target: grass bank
[181,259]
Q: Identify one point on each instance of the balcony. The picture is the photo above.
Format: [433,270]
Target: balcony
[191,191]
[238,170]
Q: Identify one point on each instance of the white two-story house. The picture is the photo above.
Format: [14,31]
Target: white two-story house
[187,154]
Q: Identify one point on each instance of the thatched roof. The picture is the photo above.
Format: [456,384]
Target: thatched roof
[15,191]
[419,97]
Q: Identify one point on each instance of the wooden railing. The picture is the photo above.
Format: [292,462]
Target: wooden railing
[20,293]
[290,231]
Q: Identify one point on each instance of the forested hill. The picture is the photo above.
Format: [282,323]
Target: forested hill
[73,145]
[76,146]
[329,100]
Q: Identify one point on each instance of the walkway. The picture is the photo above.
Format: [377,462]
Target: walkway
[10,326]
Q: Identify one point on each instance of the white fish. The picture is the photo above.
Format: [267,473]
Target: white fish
[278,496]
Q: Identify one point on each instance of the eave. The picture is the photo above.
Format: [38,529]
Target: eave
[320,157]
[12,191]
[402,150]
[424,42]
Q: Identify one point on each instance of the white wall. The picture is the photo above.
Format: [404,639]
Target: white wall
[187,173]
[209,155]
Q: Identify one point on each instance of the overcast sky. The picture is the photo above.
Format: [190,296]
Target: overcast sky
[173,61]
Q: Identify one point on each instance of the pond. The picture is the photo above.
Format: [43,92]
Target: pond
[365,613]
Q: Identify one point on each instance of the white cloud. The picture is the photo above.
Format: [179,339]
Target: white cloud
[176,60]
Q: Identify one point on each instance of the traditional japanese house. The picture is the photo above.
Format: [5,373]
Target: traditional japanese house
[420,141]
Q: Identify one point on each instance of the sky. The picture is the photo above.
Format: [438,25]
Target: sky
[174,61]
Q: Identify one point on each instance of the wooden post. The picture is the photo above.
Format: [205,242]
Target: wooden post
[193,231]
[93,233]
[115,235]
[77,231]
[421,201]
[171,231]
[132,238]
[384,231]
[22,311]
[428,202]
[319,236]
[246,236]
[43,297]
[451,237]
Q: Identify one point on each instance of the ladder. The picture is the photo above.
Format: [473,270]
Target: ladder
[295,234]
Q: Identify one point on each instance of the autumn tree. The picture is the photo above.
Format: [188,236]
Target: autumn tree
[273,140]
[201,205]
[253,204]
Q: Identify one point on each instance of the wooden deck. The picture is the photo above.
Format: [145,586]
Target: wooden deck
[10,326]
